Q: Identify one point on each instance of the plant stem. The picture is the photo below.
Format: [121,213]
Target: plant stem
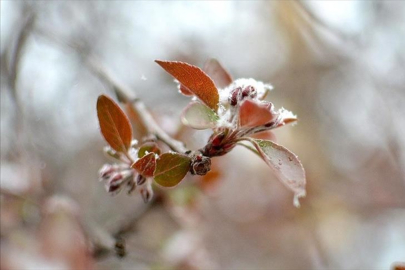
[125,95]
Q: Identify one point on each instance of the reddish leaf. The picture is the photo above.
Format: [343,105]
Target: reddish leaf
[286,121]
[195,80]
[146,165]
[284,164]
[171,169]
[253,114]
[199,116]
[148,147]
[136,122]
[265,135]
[185,91]
[286,117]
[114,124]
[215,70]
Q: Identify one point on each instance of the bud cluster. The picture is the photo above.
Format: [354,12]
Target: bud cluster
[119,176]
[219,144]
[200,164]
[238,94]
[242,113]
[249,90]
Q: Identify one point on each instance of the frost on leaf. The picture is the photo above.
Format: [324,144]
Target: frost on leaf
[253,113]
[171,168]
[284,164]
[262,88]
[114,124]
[198,116]
[148,147]
[194,80]
[286,117]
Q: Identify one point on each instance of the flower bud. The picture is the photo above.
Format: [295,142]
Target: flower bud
[106,171]
[131,186]
[235,96]
[147,193]
[118,179]
[200,165]
[114,183]
[140,179]
[249,91]
[216,139]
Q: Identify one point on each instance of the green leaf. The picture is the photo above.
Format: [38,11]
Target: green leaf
[171,168]
[284,164]
[146,165]
[194,80]
[198,116]
[114,124]
[148,147]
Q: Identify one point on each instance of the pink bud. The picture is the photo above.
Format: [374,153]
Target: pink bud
[140,179]
[106,171]
[114,183]
[131,186]
[147,193]
[235,96]
[249,91]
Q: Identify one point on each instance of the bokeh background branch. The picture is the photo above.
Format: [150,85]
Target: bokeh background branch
[337,64]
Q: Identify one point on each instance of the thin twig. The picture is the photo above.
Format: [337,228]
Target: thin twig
[16,54]
[12,66]
[125,95]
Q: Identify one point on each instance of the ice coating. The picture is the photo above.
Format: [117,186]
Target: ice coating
[297,196]
[261,88]
[286,114]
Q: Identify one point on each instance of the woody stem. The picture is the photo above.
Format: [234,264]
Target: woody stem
[125,95]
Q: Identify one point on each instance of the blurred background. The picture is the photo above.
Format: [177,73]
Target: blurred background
[338,65]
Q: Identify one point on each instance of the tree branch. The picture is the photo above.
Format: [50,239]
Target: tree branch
[16,54]
[125,95]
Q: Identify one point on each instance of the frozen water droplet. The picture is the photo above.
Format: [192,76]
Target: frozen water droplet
[143,77]
[296,201]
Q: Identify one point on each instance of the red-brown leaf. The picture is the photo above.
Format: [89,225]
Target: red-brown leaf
[253,114]
[114,124]
[185,91]
[218,74]
[195,80]
[265,135]
[145,165]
